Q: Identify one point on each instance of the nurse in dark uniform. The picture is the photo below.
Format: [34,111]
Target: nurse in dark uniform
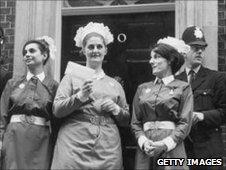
[92,109]
[26,109]
[162,109]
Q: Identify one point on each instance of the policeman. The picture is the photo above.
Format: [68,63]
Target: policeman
[209,92]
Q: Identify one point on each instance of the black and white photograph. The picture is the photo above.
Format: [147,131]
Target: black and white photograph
[113,84]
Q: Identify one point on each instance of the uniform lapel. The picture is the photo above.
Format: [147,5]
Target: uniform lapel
[46,80]
[200,78]
[182,76]
[47,84]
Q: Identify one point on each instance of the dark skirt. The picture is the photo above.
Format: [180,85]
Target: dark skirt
[83,145]
[26,146]
[143,161]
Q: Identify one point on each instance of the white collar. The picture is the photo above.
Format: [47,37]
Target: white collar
[99,75]
[195,69]
[166,80]
[40,76]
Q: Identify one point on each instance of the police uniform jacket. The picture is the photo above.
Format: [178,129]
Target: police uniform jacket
[209,98]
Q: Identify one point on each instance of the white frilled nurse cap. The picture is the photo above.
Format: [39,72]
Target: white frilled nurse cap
[51,45]
[93,27]
[179,45]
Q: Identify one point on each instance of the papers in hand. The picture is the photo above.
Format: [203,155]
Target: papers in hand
[79,71]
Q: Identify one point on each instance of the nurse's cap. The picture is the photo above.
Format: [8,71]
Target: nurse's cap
[93,27]
[194,36]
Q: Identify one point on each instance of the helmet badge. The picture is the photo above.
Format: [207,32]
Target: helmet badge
[198,33]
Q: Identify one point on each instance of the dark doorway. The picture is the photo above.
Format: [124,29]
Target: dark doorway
[128,57]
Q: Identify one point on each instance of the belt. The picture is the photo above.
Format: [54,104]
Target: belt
[96,120]
[159,125]
[29,119]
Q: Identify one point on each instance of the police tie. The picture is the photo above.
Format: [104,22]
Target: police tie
[192,76]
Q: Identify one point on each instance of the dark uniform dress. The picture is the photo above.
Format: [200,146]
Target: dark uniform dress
[157,102]
[27,145]
[209,91]
[89,137]
[4,77]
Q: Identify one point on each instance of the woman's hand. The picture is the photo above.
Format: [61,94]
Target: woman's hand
[148,148]
[156,149]
[159,148]
[110,106]
[0,151]
[86,90]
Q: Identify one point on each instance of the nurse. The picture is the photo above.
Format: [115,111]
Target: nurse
[162,109]
[92,109]
[26,111]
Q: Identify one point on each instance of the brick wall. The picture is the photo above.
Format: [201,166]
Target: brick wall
[222,49]
[222,34]
[7,22]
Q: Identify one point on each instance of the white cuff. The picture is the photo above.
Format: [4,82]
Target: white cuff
[116,112]
[169,142]
[141,140]
[81,97]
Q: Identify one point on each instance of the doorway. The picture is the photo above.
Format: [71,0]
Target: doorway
[128,56]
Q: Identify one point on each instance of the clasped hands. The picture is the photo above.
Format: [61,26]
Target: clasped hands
[154,149]
[107,104]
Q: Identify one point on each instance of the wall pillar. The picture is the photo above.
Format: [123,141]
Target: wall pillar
[205,15]
[35,19]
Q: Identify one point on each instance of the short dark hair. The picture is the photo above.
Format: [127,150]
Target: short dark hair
[42,45]
[170,54]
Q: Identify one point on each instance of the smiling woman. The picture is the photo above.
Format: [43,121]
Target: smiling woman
[37,52]
[92,109]
[26,112]
[162,109]
[95,49]
[33,56]
[160,65]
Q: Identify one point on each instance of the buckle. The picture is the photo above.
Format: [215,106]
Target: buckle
[27,119]
[96,120]
[103,121]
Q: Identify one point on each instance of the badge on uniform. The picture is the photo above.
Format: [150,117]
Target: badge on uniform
[171,91]
[147,90]
[22,85]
